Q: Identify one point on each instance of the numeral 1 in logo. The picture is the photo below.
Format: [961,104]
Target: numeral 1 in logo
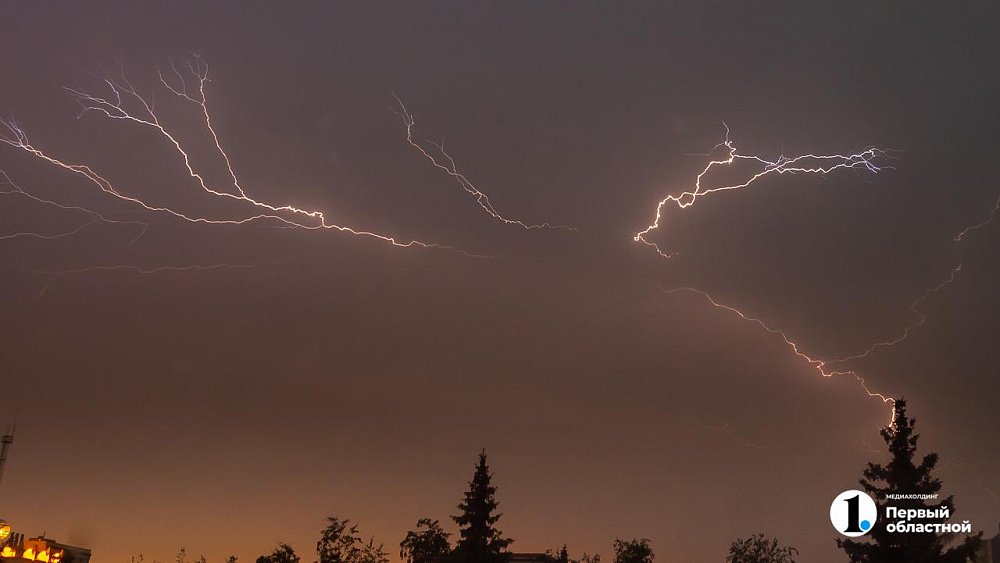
[853,519]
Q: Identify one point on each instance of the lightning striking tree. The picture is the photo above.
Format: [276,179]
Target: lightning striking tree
[481,541]
[901,475]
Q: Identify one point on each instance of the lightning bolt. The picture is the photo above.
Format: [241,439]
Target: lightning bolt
[868,447]
[123,102]
[157,269]
[446,164]
[921,317]
[974,467]
[807,164]
[813,164]
[9,187]
[802,164]
[199,69]
[819,365]
[724,429]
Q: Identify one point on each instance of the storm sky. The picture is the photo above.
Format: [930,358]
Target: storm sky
[225,409]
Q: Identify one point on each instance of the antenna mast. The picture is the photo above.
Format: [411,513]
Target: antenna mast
[5,441]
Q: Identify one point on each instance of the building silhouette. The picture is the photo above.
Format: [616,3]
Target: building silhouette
[14,548]
[42,549]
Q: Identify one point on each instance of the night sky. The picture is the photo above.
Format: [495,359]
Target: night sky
[298,373]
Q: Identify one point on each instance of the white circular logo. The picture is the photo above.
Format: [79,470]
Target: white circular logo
[853,513]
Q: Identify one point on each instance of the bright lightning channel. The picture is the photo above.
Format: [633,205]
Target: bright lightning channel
[122,101]
[822,164]
[817,364]
[807,163]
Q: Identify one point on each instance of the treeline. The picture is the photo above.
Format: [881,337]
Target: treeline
[479,539]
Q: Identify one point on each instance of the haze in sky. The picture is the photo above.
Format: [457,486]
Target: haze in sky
[223,387]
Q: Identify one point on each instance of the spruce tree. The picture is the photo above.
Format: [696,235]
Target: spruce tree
[480,541]
[902,476]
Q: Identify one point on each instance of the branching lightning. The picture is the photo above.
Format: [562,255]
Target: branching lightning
[806,164]
[123,102]
[921,317]
[446,163]
[812,164]
[119,100]
[803,164]
[9,187]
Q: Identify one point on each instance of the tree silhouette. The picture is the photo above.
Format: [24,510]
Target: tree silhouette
[758,549]
[902,476]
[340,543]
[429,544]
[633,551]
[480,541]
[281,554]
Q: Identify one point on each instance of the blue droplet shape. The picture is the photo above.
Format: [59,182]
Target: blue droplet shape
[865,524]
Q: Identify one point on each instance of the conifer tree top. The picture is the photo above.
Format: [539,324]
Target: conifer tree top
[480,541]
[903,476]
